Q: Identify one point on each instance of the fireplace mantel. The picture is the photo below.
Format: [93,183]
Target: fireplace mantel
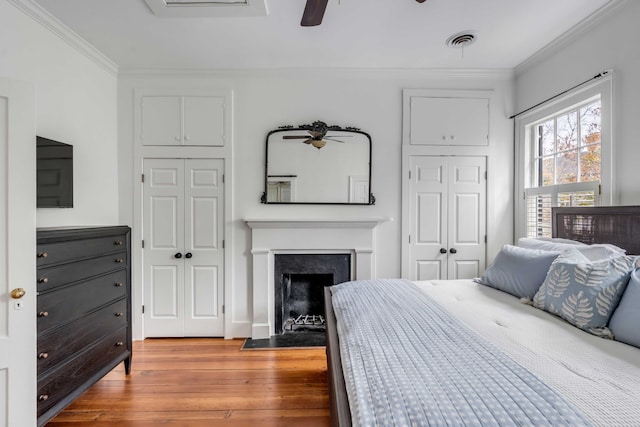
[270,236]
[315,223]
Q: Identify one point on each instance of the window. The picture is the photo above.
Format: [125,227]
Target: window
[564,157]
[281,189]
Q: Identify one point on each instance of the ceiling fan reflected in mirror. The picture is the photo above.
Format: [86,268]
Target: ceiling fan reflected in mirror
[316,134]
[314,12]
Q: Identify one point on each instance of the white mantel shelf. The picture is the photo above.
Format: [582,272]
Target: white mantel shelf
[316,223]
[355,236]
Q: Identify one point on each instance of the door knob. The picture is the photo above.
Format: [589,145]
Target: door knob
[443,251]
[18,293]
[453,251]
[188,255]
[178,255]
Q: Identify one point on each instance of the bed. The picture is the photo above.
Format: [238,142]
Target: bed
[487,357]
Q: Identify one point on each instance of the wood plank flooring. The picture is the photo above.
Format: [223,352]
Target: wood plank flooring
[193,382]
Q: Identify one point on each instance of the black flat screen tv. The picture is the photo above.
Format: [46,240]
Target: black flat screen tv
[55,174]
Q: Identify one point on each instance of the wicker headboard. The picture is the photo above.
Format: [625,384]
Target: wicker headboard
[618,225]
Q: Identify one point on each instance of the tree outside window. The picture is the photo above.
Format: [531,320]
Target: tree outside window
[568,147]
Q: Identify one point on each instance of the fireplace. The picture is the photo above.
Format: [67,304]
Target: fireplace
[299,282]
[273,237]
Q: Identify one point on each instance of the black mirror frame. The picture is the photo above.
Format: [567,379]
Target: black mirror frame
[311,127]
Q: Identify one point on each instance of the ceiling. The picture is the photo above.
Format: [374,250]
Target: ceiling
[353,34]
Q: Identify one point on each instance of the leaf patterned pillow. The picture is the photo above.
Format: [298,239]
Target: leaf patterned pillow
[584,293]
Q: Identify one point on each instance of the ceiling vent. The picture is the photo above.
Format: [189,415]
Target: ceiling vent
[461,40]
[207,8]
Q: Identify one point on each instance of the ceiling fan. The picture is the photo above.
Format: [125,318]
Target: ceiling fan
[314,12]
[316,134]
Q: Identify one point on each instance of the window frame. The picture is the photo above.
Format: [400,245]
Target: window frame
[525,145]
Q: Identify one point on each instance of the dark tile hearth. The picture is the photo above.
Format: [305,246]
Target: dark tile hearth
[290,340]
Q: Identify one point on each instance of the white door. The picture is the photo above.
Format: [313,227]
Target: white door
[17,255]
[447,203]
[204,120]
[161,120]
[183,120]
[183,247]
[436,121]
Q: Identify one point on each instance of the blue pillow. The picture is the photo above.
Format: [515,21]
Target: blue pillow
[584,293]
[518,271]
[625,321]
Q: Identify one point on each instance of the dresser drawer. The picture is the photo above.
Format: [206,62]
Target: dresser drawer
[70,379]
[66,304]
[52,277]
[63,343]
[71,250]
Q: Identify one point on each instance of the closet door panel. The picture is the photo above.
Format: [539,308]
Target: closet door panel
[449,121]
[204,120]
[161,120]
[164,239]
[204,194]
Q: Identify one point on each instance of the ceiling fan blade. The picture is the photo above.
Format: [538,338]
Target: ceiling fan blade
[313,13]
[308,141]
[333,140]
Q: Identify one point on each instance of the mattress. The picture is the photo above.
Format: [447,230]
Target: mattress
[600,377]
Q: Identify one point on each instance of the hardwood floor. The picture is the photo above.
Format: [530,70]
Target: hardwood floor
[207,382]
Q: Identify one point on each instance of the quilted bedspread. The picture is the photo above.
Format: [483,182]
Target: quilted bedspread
[409,362]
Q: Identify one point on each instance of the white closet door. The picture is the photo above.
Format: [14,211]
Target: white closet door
[183,254]
[161,120]
[204,120]
[204,257]
[163,218]
[17,255]
[467,213]
[429,220]
[449,121]
[447,202]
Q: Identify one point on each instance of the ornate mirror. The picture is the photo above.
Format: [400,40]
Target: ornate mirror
[318,164]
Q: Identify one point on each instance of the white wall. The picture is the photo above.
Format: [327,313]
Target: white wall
[611,44]
[76,103]
[367,99]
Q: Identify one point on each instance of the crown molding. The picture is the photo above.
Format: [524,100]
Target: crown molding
[296,72]
[53,25]
[571,35]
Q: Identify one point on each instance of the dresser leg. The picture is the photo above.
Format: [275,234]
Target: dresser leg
[127,365]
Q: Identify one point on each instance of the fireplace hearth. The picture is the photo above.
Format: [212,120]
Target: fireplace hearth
[299,281]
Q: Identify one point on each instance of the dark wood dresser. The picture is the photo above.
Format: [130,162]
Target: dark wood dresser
[84,311]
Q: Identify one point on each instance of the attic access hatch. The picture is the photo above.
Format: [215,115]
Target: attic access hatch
[207,8]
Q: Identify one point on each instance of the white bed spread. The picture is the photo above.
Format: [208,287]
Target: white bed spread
[600,377]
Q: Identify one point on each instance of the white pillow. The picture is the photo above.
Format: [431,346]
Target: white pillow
[561,240]
[548,244]
[593,252]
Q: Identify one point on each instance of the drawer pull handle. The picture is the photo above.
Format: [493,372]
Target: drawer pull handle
[43,397]
[118,243]
[119,314]
[43,280]
[43,314]
[119,260]
[43,355]
[119,344]
[42,254]
[118,284]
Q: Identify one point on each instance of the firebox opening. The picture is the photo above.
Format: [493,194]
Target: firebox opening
[299,284]
[302,301]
